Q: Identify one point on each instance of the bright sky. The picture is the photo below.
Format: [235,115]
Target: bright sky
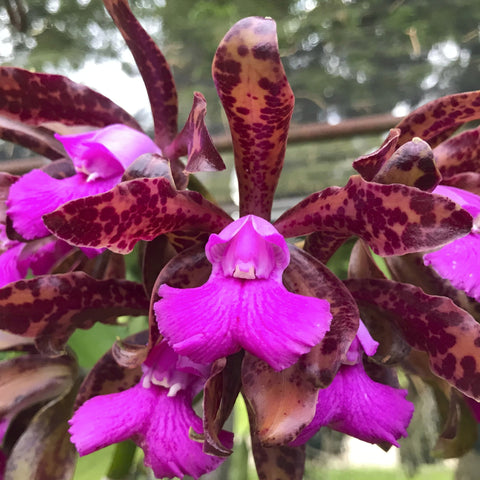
[108,78]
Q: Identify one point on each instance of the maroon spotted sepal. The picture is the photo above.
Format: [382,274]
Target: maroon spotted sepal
[258,101]
[438,119]
[373,212]
[53,306]
[37,98]
[135,210]
[449,335]
[154,69]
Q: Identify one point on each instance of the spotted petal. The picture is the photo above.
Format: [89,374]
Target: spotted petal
[372,211]
[136,210]
[449,335]
[37,98]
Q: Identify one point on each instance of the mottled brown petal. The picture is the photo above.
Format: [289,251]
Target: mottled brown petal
[411,269]
[412,164]
[444,114]
[195,141]
[36,139]
[278,463]
[283,403]
[30,379]
[393,219]
[322,245]
[449,335]
[149,165]
[36,98]
[52,306]
[44,451]
[258,101]
[219,396]
[154,69]
[361,263]
[156,254]
[469,181]
[460,153]
[107,376]
[368,165]
[307,276]
[136,210]
[6,180]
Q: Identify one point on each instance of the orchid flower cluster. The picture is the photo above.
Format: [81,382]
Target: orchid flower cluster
[233,307]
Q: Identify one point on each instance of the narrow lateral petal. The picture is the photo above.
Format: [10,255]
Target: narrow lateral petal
[226,314]
[36,194]
[356,405]
[153,67]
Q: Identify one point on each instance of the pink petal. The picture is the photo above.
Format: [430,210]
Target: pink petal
[36,194]
[10,269]
[356,405]
[157,423]
[227,314]
[44,255]
[107,150]
[459,262]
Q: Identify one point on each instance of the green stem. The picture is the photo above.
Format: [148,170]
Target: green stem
[122,461]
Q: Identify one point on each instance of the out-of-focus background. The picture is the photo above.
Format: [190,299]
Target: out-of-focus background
[355,66]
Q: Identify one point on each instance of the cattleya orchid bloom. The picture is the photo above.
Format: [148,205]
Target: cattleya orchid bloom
[459,261]
[100,158]
[356,405]
[244,303]
[156,414]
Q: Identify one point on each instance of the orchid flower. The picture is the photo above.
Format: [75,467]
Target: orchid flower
[156,414]
[459,261]
[356,405]
[244,303]
[100,158]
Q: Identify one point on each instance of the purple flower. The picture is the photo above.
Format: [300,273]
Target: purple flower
[356,405]
[156,414]
[17,257]
[100,158]
[459,261]
[244,303]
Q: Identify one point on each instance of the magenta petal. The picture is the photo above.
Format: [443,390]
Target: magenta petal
[107,150]
[356,405]
[108,419]
[10,269]
[459,262]
[227,314]
[157,423]
[36,194]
